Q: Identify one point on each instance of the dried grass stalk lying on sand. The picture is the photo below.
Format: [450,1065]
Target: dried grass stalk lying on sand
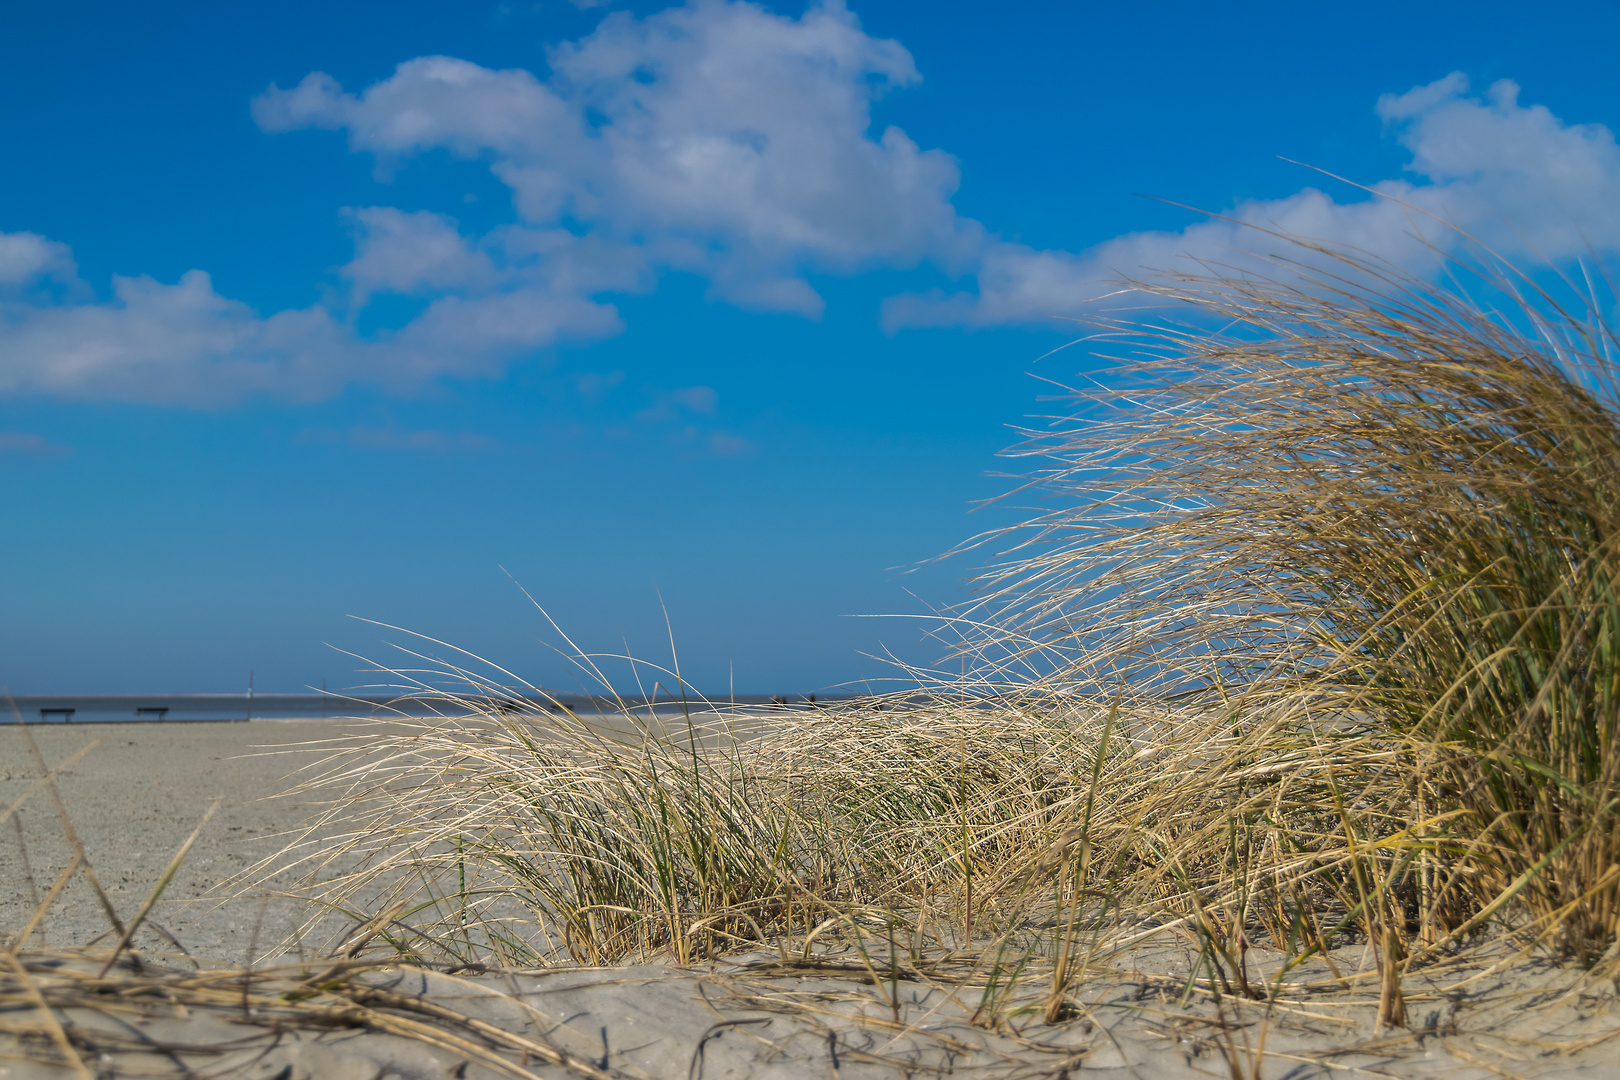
[93,1014]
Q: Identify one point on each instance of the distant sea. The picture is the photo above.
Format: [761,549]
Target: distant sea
[170,708]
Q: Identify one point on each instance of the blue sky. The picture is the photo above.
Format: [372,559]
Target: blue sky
[311,311]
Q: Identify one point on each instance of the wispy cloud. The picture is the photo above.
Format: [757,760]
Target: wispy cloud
[725,444]
[674,404]
[1514,177]
[29,444]
[432,441]
[397,438]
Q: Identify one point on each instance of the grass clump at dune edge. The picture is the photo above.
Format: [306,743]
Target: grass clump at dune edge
[1318,645]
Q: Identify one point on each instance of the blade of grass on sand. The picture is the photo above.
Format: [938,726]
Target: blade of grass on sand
[34,788]
[62,814]
[157,890]
[44,905]
[53,1026]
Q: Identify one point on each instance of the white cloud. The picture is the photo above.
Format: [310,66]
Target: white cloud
[187,344]
[412,253]
[718,139]
[28,259]
[432,101]
[156,342]
[1517,176]
[733,127]
[1513,177]
[499,325]
[715,137]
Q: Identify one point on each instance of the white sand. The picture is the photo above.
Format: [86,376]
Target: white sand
[135,798]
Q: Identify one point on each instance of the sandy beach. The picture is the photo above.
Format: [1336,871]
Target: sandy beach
[133,799]
[136,796]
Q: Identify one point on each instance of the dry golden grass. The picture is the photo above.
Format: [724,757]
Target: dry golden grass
[1318,645]
[1371,497]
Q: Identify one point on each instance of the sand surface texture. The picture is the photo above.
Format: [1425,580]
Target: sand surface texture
[133,799]
[137,795]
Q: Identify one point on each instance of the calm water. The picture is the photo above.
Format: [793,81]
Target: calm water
[136,708]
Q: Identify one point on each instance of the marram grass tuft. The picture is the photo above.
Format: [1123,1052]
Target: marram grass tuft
[1372,498]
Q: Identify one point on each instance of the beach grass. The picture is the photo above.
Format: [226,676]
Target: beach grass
[1311,645]
[1315,645]
[1369,496]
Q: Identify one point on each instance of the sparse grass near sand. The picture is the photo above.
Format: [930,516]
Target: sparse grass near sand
[1318,655]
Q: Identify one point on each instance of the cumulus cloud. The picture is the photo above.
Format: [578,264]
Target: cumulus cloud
[721,140]
[157,342]
[186,344]
[429,102]
[716,138]
[412,253]
[1514,177]
[27,258]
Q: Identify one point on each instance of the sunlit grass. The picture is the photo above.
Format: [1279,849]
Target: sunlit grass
[1368,497]
[1317,646]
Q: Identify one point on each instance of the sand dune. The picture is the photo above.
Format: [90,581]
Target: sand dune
[136,796]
